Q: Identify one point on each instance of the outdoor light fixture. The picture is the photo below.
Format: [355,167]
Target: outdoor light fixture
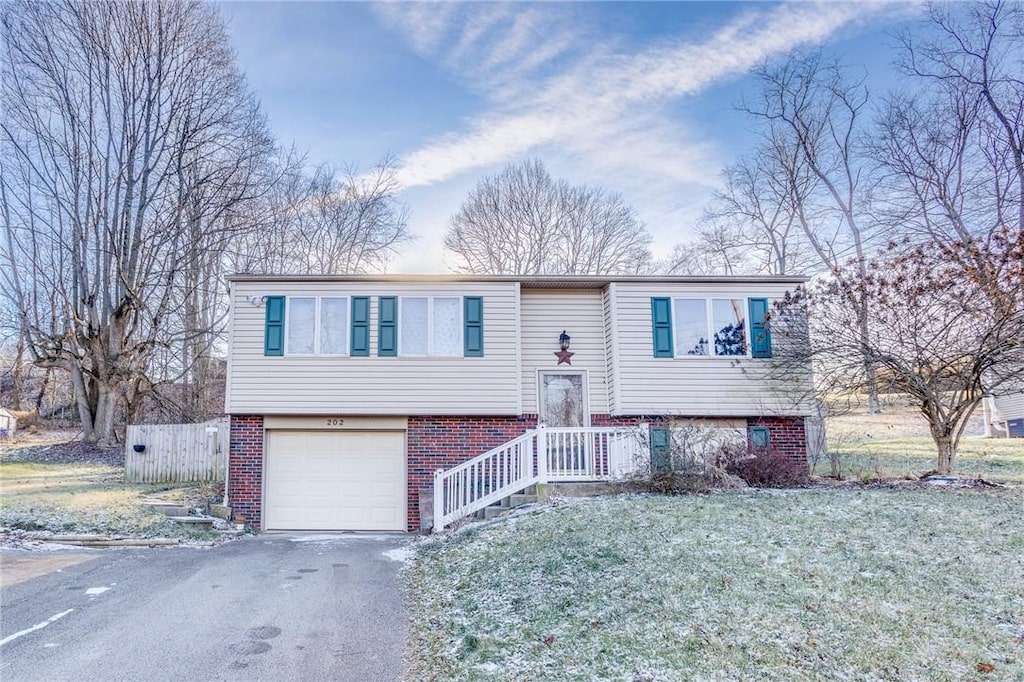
[564,355]
[138,447]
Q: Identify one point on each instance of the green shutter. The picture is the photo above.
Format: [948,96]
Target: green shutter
[473,321]
[661,452]
[661,325]
[387,326]
[360,326]
[760,335]
[760,438]
[273,328]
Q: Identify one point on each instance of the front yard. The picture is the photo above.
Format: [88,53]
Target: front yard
[994,459]
[77,497]
[844,584]
[895,443]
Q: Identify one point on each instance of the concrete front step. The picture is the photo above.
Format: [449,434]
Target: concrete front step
[194,520]
[509,503]
[493,511]
[166,508]
[521,498]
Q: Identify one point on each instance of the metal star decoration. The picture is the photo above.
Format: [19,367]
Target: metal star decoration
[564,356]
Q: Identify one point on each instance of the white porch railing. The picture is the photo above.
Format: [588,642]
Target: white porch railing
[538,456]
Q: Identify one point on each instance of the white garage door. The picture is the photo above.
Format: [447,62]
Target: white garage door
[335,480]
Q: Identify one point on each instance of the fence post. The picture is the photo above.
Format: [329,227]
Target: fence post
[542,455]
[438,502]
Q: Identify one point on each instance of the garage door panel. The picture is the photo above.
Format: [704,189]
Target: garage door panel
[335,481]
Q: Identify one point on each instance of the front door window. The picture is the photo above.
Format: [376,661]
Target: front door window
[563,402]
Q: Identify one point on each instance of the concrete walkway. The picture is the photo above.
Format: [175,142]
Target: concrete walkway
[272,607]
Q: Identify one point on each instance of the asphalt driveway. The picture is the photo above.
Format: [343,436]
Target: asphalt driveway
[273,607]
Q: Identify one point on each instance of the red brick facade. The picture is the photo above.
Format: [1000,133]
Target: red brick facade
[786,436]
[434,443]
[245,468]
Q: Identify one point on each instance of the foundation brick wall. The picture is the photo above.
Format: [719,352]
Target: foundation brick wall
[786,436]
[434,443]
[245,468]
[443,442]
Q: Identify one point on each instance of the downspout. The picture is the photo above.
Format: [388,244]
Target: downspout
[227,460]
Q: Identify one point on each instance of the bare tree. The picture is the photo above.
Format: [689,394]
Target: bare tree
[327,222]
[753,225]
[933,335]
[130,144]
[522,221]
[954,152]
[813,115]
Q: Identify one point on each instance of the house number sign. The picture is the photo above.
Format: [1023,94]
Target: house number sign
[335,421]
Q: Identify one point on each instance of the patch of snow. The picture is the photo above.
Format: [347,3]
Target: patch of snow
[403,554]
[93,591]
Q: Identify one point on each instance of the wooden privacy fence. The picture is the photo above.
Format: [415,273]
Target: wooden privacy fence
[176,453]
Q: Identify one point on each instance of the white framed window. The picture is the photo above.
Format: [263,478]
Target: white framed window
[729,327]
[690,317]
[710,327]
[430,326]
[316,325]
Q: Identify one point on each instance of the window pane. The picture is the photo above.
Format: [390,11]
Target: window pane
[413,326]
[334,325]
[691,322]
[729,322]
[447,327]
[563,400]
[301,320]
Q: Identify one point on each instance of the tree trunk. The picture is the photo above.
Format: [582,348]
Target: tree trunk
[42,392]
[947,454]
[85,412]
[106,411]
[870,375]
[18,374]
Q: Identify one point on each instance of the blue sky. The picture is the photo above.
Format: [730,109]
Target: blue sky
[636,97]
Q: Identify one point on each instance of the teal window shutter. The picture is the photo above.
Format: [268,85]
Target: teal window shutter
[661,324]
[273,328]
[760,438]
[387,326]
[360,326]
[473,322]
[661,452]
[760,335]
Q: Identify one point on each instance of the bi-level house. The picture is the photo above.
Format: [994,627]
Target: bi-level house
[353,399]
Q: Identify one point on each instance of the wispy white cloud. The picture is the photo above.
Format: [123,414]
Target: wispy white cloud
[598,101]
[589,105]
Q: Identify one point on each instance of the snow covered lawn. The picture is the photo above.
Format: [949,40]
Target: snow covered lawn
[857,584]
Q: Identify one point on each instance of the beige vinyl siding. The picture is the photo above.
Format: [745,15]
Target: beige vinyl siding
[374,385]
[611,344]
[545,313]
[1010,406]
[691,386]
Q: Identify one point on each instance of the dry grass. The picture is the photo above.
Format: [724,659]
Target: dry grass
[895,443]
[77,498]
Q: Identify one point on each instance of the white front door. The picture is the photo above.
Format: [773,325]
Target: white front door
[563,405]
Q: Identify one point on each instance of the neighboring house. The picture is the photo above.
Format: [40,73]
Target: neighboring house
[8,422]
[1008,413]
[347,394]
